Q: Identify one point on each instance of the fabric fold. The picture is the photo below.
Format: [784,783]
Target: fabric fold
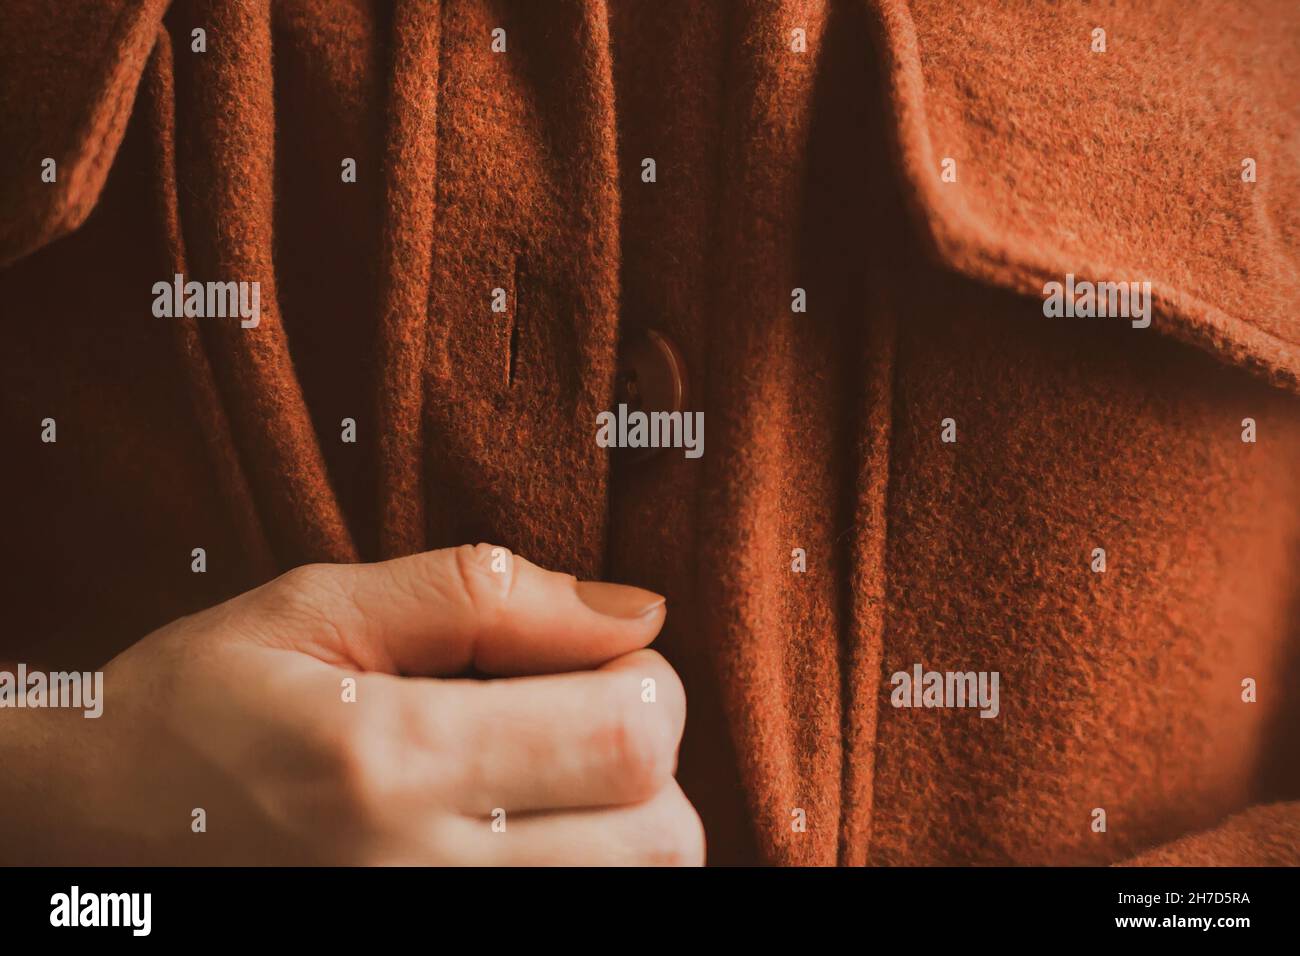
[411,178]
[212,422]
[774,632]
[225,161]
[866,584]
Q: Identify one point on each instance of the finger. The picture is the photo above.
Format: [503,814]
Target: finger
[662,831]
[574,740]
[442,612]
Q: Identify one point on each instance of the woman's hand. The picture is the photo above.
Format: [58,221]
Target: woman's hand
[311,721]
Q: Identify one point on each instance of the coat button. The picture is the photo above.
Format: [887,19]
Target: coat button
[651,378]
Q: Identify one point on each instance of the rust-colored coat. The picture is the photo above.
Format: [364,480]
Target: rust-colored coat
[776,169]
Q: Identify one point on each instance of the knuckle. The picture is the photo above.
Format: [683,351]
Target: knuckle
[668,682]
[434,728]
[636,747]
[465,743]
[384,801]
[484,576]
[361,770]
[463,772]
[354,773]
[670,692]
[675,835]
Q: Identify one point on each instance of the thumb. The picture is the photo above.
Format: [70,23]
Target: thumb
[442,612]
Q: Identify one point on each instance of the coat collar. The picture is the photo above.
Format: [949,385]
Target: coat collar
[1142,142]
[66,92]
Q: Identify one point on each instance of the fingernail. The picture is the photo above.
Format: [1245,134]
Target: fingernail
[618,600]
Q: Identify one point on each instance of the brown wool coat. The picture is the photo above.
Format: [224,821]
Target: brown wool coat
[776,169]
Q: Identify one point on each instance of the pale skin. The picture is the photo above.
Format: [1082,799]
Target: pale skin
[240,710]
